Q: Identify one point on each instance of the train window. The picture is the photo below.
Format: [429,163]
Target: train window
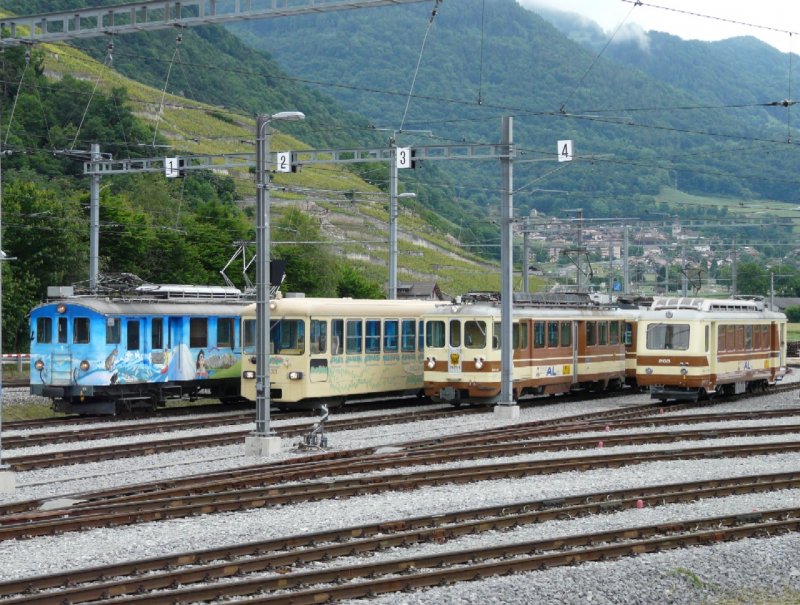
[408,337]
[748,338]
[552,333]
[80,330]
[740,338]
[708,338]
[521,335]
[133,334]
[475,334]
[44,330]
[198,332]
[289,337]
[373,336]
[720,338]
[730,338]
[613,332]
[538,334]
[628,338]
[319,336]
[249,336]
[354,337]
[421,335]
[591,333]
[455,333]
[668,336]
[113,330]
[602,332]
[434,334]
[390,343]
[157,333]
[225,333]
[765,337]
[62,329]
[757,338]
[337,336]
[566,334]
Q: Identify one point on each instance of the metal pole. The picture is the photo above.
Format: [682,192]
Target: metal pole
[2,466]
[392,219]
[262,278]
[626,274]
[94,220]
[525,253]
[506,265]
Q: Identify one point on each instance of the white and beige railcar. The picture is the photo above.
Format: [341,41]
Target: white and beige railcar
[688,348]
[333,350]
[556,349]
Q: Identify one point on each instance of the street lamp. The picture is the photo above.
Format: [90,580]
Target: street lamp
[393,214]
[263,440]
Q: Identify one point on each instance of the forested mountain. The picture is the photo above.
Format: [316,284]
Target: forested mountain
[680,112]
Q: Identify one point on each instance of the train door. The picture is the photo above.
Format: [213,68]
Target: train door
[454,347]
[318,362]
[175,361]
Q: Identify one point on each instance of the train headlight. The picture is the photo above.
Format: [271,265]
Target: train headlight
[431,362]
[295,375]
[249,374]
[84,366]
[478,363]
[684,371]
[39,365]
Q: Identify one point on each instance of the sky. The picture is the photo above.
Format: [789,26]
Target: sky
[776,18]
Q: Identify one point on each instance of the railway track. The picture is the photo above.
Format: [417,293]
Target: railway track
[349,473]
[375,558]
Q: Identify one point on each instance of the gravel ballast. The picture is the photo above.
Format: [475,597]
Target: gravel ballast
[751,567]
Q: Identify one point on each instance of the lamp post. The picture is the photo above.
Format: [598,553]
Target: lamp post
[393,214]
[263,441]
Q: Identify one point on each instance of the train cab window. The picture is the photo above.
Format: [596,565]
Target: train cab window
[765,337]
[249,336]
[373,336]
[613,332]
[538,334]
[157,333]
[288,337]
[667,336]
[602,333]
[566,334]
[354,337]
[337,336]
[408,336]
[455,333]
[80,330]
[475,334]
[113,330]
[44,330]
[319,336]
[434,334]
[498,336]
[198,332]
[591,333]
[225,332]
[133,334]
[520,335]
[390,343]
[552,334]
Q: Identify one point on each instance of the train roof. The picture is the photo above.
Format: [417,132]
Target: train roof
[146,307]
[683,307]
[364,307]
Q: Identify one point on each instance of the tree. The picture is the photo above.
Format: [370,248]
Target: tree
[310,268]
[354,284]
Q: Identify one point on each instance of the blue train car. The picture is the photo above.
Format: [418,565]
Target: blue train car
[113,354]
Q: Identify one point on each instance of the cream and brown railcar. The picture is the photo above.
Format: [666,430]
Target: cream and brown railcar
[334,350]
[688,348]
[556,349]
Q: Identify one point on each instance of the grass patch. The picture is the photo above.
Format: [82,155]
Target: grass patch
[793,332]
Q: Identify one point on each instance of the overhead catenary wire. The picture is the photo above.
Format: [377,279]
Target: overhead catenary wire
[109,57]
